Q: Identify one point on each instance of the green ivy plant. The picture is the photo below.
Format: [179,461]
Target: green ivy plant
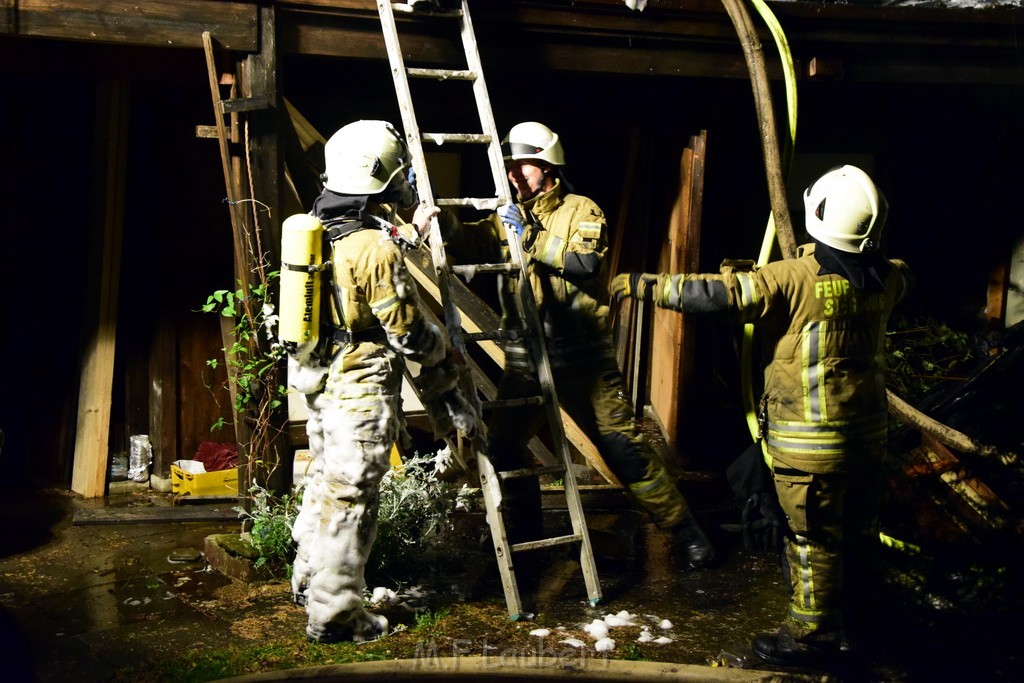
[271,519]
[252,361]
[254,368]
[923,354]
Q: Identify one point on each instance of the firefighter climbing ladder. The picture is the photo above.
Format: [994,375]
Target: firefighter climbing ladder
[490,481]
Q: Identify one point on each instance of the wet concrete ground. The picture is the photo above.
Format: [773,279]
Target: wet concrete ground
[91,601]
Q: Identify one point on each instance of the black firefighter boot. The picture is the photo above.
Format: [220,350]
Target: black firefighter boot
[696,546]
[783,649]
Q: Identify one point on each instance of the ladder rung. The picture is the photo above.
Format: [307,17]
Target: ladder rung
[513,402]
[496,335]
[546,543]
[469,272]
[443,74]
[467,138]
[482,203]
[531,472]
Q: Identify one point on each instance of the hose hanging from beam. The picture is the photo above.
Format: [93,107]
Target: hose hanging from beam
[773,164]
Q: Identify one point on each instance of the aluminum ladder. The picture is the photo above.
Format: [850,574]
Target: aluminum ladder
[490,480]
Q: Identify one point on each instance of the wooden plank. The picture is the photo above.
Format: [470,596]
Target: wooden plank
[998,293]
[684,38]
[92,435]
[8,16]
[167,23]
[971,499]
[205,512]
[163,399]
[672,340]
[229,165]
[204,394]
[623,314]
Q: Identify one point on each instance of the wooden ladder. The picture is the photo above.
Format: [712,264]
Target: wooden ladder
[490,480]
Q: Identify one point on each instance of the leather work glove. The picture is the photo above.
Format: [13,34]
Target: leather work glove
[464,417]
[636,285]
[511,215]
[306,378]
[762,523]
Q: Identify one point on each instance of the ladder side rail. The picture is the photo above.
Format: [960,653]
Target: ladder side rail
[423,185]
[483,105]
[558,437]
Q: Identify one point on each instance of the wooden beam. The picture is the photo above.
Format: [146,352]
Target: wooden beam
[167,23]
[92,436]
[689,38]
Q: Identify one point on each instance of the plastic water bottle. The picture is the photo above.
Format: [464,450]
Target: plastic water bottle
[119,466]
[140,457]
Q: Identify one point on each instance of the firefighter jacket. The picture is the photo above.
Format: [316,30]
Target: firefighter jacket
[824,384]
[565,239]
[378,303]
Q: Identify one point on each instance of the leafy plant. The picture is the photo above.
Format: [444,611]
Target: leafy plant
[254,368]
[252,360]
[923,354]
[431,618]
[271,519]
[415,512]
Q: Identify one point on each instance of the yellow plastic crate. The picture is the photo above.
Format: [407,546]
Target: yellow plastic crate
[186,480]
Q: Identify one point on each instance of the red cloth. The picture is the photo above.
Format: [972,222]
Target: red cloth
[217,456]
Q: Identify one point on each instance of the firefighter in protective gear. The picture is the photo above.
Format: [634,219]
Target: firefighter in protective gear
[822,318]
[565,236]
[352,384]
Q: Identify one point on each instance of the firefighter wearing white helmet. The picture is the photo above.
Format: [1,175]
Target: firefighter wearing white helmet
[532,140]
[845,210]
[367,158]
[566,237]
[352,380]
[821,318]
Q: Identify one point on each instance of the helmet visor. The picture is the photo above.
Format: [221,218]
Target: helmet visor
[519,149]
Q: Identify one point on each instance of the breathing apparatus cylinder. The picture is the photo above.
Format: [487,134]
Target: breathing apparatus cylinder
[301,273]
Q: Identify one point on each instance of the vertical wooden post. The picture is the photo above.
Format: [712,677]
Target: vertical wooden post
[92,436]
[261,74]
[672,338]
[998,293]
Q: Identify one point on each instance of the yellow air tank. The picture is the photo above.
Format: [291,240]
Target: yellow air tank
[301,268]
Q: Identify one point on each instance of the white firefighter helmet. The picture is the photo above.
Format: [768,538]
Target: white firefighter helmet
[363,157]
[532,140]
[845,210]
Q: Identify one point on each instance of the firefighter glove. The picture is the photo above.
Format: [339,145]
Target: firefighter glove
[636,285]
[511,215]
[306,378]
[762,523]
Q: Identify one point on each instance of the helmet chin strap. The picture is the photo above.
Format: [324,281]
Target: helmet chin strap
[399,192]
